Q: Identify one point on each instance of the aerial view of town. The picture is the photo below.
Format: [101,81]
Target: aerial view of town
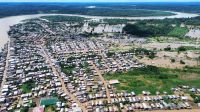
[99,57]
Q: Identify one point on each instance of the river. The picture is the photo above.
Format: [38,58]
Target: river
[6,22]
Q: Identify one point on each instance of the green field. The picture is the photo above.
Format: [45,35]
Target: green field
[178,32]
[155,79]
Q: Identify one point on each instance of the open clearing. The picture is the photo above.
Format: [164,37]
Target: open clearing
[155,79]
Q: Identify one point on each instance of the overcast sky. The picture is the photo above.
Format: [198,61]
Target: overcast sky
[99,0]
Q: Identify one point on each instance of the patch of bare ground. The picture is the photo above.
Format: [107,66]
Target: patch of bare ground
[163,59]
[189,76]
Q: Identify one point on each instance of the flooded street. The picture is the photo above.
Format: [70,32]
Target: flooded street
[6,22]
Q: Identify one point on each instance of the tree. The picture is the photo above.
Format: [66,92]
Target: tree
[182,62]
[167,48]
[198,61]
[182,48]
[173,60]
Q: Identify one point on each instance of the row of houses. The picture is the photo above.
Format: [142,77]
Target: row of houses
[30,78]
[2,64]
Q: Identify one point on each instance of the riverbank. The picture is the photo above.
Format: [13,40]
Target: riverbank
[6,22]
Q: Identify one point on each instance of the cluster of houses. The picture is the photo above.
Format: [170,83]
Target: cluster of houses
[2,64]
[130,102]
[124,39]
[67,72]
[77,46]
[80,49]
[29,78]
[88,87]
[83,81]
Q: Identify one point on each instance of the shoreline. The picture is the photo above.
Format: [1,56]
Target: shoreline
[6,22]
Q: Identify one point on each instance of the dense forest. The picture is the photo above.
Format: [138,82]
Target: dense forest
[177,21]
[143,29]
[166,27]
[101,9]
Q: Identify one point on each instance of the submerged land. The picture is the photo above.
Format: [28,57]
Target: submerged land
[70,63]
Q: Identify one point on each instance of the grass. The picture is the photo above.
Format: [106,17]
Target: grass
[178,32]
[153,79]
[27,86]
[190,48]
[50,108]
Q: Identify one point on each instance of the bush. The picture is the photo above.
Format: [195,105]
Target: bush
[182,62]
[173,60]
[167,49]
[182,48]
[110,54]
[142,51]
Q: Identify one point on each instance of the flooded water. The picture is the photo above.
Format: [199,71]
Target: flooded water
[6,22]
[194,33]
[103,28]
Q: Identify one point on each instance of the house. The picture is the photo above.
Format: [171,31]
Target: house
[111,82]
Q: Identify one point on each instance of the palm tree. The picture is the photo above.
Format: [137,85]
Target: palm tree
[198,61]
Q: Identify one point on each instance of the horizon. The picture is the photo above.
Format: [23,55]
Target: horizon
[97,1]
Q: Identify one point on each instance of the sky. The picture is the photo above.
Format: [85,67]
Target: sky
[99,0]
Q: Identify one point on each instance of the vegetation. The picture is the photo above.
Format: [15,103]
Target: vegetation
[195,97]
[152,29]
[68,69]
[93,24]
[142,29]
[143,51]
[151,78]
[185,48]
[64,18]
[182,48]
[116,21]
[24,109]
[71,8]
[27,86]
[192,21]
[110,54]
[177,21]
[198,60]
[168,48]
[173,60]
[50,108]
[178,32]
[182,62]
